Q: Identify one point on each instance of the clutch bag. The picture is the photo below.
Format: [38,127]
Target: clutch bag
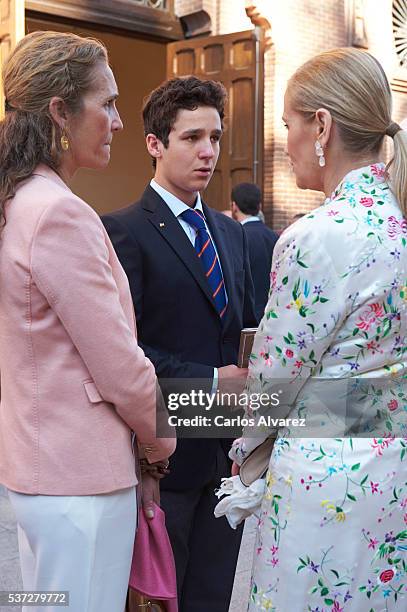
[255,465]
[245,347]
[152,581]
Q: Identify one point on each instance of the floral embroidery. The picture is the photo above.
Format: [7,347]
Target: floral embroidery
[396,227]
[369,317]
[337,310]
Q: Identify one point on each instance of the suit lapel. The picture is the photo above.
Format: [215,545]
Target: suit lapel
[170,229]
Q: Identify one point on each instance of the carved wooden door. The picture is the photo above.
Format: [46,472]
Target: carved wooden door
[11,31]
[236,60]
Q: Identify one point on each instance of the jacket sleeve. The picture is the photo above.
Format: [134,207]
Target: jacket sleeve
[128,251]
[70,265]
[305,310]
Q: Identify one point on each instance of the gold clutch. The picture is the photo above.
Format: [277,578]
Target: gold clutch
[255,465]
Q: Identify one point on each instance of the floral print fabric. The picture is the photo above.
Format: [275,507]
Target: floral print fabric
[332,533]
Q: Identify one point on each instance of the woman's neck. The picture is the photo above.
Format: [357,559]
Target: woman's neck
[338,169]
[66,170]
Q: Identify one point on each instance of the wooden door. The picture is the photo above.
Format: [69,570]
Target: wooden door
[11,31]
[236,60]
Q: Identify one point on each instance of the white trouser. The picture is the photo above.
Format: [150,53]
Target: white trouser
[79,544]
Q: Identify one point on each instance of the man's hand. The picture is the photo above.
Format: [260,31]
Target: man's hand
[150,493]
[232,379]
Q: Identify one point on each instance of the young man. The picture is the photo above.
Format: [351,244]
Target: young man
[189,275]
[246,200]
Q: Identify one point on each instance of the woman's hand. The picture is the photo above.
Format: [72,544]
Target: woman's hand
[157,470]
[151,474]
[235,469]
[150,493]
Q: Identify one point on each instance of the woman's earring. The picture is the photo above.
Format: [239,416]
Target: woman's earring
[320,153]
[64,142]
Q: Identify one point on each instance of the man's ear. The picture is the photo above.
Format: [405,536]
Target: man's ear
[323,120]
[154,146]
[58,111]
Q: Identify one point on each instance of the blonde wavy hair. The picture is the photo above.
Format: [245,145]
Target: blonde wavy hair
[43,65]
[353,86]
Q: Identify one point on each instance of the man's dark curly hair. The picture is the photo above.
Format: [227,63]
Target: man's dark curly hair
[162,105]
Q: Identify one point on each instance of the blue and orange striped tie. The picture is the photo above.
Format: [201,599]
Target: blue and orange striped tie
[208,258]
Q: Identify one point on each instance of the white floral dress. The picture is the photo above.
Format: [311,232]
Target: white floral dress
[332,533]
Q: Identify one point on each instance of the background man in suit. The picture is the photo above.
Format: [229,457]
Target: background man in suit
[190,279]
[246,200]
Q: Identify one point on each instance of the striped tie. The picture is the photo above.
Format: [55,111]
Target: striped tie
[209,260]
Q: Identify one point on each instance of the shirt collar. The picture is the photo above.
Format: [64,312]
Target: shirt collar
[249,219]
[370,175]
[176,205]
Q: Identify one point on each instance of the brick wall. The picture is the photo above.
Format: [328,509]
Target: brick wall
[300,29]
[184,7]
[227,16]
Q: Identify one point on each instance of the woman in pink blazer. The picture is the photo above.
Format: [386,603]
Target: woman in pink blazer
[74,383]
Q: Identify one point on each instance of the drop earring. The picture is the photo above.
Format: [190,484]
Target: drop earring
[320,153]
[64,142]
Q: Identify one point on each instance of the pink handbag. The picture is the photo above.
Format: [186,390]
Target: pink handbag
[152,573]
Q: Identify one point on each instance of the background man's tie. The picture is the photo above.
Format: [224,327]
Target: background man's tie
[208,258]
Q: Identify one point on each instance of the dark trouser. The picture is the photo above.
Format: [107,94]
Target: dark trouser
[205,548]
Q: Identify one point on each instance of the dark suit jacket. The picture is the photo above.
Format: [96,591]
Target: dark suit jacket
[178,325]
[261,240]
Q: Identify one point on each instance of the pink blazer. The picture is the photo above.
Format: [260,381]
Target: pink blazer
[74,382]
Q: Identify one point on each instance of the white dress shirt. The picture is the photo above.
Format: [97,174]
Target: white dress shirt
[177,207]
[249,219]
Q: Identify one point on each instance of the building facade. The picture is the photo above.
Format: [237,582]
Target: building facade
[300,29]
[140,37]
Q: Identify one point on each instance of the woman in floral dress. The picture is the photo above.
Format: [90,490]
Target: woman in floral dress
[332,532]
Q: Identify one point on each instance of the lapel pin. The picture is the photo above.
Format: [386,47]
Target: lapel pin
[162,224]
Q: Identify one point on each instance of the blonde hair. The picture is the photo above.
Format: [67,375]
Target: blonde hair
[353,86]
[43,65]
